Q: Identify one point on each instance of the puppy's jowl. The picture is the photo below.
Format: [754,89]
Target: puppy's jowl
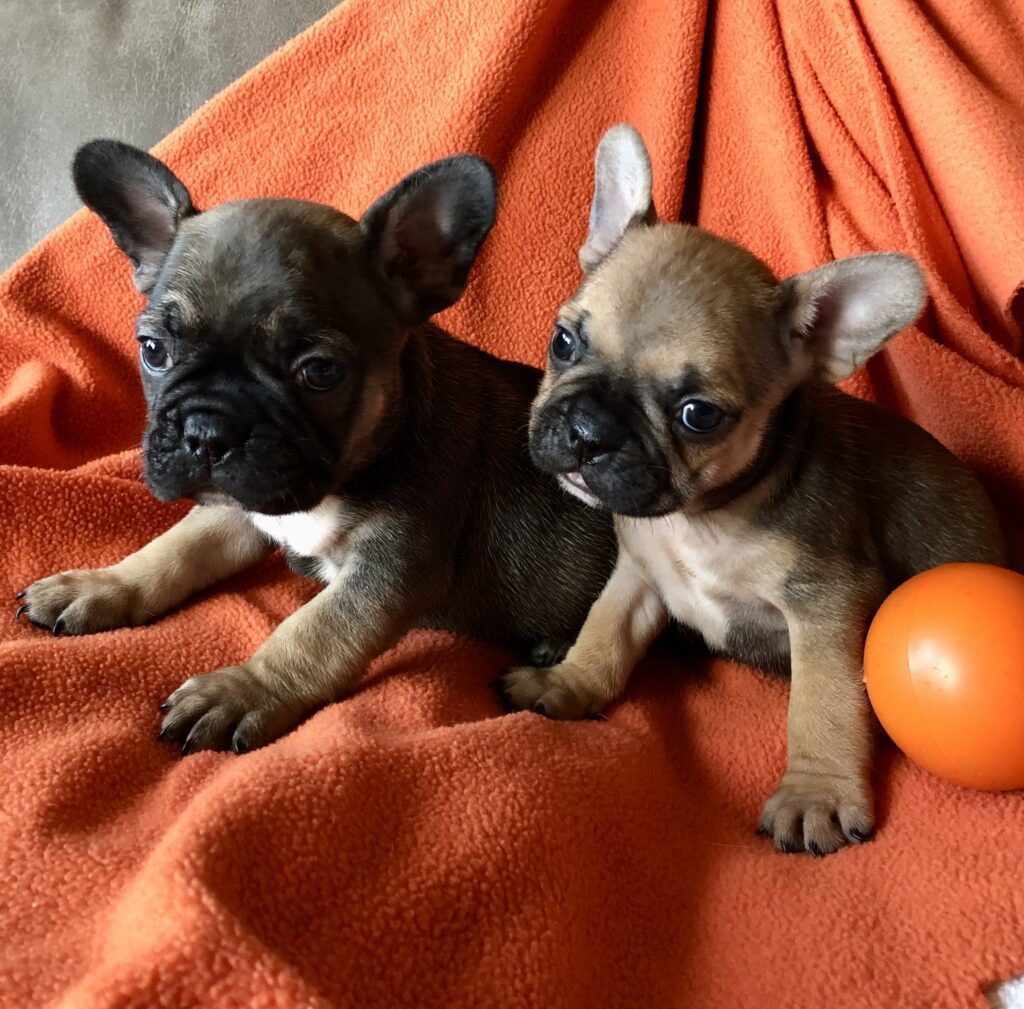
[690,393]
[296,391]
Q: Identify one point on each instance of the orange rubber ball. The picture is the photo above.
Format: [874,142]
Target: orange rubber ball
[944,669]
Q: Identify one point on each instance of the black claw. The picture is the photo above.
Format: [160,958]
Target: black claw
[165,706]
[815,850]
[162,734]
[786,848]
[186,747]
[762,829]
[541,709]
[547,653]
[239,746]
[21,609]
[20,596]
[859,836]
[58,627]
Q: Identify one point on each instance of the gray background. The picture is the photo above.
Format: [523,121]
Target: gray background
[71,70]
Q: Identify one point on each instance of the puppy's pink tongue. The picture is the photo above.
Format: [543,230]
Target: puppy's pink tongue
[576,479]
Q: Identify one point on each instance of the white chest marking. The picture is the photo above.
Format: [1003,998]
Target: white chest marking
[313,533]
[711,576]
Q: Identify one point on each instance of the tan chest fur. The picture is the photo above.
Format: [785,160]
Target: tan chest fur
[712,575]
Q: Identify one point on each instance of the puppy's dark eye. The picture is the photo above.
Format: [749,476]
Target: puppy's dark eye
[700,416]
[564,345]
[155,358]
[320,374]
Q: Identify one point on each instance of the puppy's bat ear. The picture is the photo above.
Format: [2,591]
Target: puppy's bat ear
[424,235]
[841,313]
[622,193]
[139,199]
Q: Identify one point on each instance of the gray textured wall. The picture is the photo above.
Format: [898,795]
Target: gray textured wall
[132,69]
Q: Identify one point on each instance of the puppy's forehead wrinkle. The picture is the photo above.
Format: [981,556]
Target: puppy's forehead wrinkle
[690,382]
[282,266]
[244,244]
[673,297]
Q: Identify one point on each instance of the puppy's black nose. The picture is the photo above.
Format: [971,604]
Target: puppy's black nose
[593,429]
[209,436]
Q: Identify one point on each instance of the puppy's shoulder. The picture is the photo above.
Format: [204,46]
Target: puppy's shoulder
[457,362]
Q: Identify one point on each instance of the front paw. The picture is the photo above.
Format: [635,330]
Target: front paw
[81,602]
[818,812]
[229,709]
[557,692]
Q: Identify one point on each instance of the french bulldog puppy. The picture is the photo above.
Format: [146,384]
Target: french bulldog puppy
[691,393]
[297,392]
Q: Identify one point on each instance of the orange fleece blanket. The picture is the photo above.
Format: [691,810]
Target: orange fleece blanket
[413,845]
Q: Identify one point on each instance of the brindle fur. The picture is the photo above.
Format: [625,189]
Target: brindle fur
[413,474]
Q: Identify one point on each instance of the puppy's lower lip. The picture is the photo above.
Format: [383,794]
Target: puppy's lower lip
[216,497]
[577,486]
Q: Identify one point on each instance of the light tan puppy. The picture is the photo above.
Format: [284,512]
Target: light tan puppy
[690,392]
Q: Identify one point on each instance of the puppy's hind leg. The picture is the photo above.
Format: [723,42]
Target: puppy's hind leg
[626,618]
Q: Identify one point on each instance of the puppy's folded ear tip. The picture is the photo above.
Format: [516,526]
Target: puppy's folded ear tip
[88,158]
[911,273]
[96,156]
[622,133]
[898,262]
[909,279]
[472,164]
[478,174]
[465,165]
[107,158]
[622,150]
[99,146]
[470,177]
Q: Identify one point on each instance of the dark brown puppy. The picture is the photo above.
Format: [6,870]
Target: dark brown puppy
[689,392]
[296,391]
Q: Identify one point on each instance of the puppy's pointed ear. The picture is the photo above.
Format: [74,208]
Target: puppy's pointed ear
[139,199]
[841,313]
[622,193]
[424,235]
